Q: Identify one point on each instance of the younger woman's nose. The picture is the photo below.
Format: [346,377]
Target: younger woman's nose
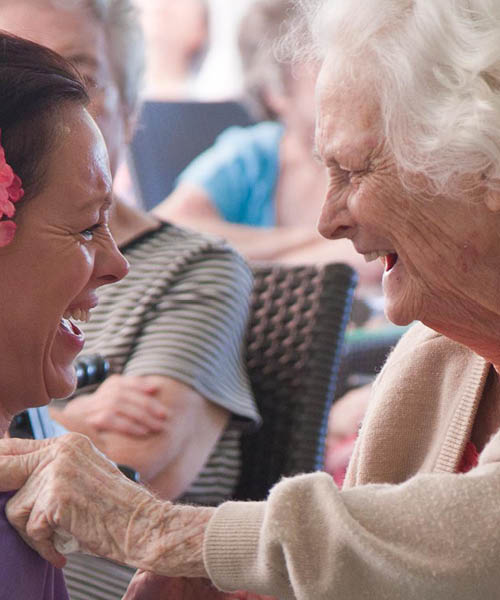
[114,266]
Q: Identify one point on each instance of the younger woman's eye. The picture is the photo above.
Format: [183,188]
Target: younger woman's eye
[88,234]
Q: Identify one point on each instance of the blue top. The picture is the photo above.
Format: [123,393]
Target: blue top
[239,173]
[24,574]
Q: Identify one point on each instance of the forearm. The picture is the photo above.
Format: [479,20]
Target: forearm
[311,540]
[255,243]
[191,206]
[167,539]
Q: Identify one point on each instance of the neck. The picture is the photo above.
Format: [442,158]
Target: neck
[294,151]
[481,339]
[5,420]
[127,223]
[167,73]
[300,177]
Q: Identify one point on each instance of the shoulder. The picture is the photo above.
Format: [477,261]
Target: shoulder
[425,359]
[173,249]
[248,143]
[421,342]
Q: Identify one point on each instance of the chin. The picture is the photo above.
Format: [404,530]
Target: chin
[403,299]
[61,383]
[400,313]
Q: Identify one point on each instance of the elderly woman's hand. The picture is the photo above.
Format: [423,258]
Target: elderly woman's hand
[70,490]
[148,586]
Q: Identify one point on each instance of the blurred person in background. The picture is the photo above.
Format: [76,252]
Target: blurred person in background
[177,37]
[260,187]
[173,331]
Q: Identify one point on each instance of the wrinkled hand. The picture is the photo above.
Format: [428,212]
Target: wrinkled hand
[122,403]
[71,489]
[147,586]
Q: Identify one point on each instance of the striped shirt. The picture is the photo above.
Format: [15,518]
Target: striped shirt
[181,312]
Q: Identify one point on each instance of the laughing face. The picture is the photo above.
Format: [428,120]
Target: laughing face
[61,254]
[440,253]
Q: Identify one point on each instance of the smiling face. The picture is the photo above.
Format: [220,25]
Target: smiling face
[81,39]
[61,254]
[442,264]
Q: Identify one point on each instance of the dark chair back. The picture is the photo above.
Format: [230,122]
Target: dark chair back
[169,136]
[295,334]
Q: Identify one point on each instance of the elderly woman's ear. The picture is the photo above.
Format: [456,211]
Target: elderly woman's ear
[492,197]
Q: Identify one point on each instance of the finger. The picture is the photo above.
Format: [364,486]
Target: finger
[140,383]
[147,415]
[120,424]
[32,525]
[15,470]
[130,413]
[143,409]
[17,446]
[148,586]
[155,407]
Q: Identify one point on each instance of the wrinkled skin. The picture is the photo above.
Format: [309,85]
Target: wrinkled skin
[448,270]
[70,488]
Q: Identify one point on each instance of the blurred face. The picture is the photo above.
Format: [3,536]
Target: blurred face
[295,107]
[61,254]
[440,253]
[182,23]
[76,35]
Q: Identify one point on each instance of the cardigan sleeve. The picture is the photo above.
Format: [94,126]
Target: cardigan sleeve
[435,536]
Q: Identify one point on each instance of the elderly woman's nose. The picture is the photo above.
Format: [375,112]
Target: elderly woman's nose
[111,265]
[334,221]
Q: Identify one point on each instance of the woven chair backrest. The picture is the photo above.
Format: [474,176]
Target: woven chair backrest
[295,333]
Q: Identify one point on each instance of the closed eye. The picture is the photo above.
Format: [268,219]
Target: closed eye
[88,234]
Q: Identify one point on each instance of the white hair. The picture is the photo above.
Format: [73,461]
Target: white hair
[437,67]
[120,19]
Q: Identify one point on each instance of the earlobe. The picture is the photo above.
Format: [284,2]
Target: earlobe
[492,198]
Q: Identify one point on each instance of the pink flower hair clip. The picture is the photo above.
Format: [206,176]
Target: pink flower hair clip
[11,191]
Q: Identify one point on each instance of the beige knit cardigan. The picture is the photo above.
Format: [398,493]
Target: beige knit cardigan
[434,535]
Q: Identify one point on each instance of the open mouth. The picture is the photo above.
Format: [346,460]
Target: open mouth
[70,327]
[390,260]
[69,318]
[388,257]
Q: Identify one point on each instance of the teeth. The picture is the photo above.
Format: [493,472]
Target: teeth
[371,256]
[77,314]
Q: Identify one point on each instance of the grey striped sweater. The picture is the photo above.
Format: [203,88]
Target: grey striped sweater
[180,312]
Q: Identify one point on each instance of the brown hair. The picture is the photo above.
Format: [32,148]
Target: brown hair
[34,83]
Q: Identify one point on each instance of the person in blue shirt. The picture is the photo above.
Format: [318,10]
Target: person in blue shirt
[260,187]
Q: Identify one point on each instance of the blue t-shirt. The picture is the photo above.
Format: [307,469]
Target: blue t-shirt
[24,574]
[239,173]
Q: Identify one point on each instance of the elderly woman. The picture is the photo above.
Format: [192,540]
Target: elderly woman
[51,150]
[408,103]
